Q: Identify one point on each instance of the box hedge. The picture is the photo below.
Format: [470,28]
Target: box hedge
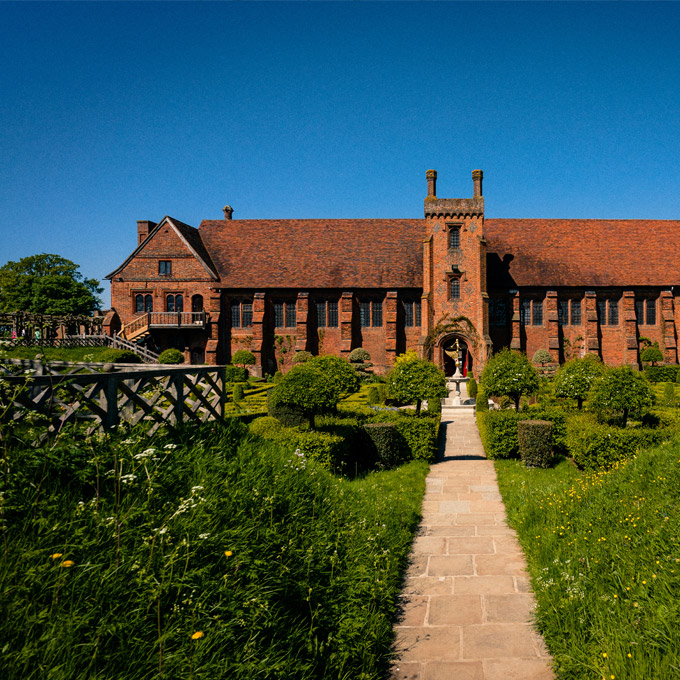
[535,442]
[233,374]
[662,373]
[498,430]
[595,446]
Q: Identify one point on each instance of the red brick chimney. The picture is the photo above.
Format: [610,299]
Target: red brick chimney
[144,228]
[477,176]
[228,210]
[431,176]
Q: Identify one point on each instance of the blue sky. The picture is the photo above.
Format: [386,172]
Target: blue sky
[114,112]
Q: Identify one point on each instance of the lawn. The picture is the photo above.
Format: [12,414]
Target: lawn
[206,553]
[604,556]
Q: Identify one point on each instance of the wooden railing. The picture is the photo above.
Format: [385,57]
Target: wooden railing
[141,324]
[102,400]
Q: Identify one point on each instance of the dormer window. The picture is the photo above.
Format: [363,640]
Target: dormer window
[454,236]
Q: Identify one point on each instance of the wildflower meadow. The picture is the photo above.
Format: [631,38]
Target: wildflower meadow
[205,553]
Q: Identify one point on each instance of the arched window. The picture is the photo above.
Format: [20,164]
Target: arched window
[197,303]
[148,303]
[139,303]
[455,289]
[170,303]
[179,303]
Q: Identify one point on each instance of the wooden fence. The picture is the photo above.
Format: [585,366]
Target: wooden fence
[102,399]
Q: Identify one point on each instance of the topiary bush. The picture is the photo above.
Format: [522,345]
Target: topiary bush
[243,357]
[237,394]
[472,388]
[119,356]
[651,354]
[264,426]
[386,446]
[498,430]
[171,356]
[542,356]
[535,442]
[305,390]
[509,374]
[301,357]
[338,373]
[619,391]
[575,379]
[234,374]
[415,380]
[481,401]
[359,355]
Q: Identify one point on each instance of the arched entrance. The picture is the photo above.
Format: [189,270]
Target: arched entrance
[464,356]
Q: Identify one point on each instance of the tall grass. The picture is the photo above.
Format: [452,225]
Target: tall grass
[204,554]
[604,555]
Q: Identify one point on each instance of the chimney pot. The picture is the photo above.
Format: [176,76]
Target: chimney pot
[228,210]
[431,176]
[477,176]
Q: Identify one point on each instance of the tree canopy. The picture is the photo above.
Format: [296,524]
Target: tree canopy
[306,389]
[47,284]
[414,379]
[575,378]
[509,374]
[339,373]
[621,390]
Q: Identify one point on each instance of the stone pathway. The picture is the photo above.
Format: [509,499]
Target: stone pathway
[467,602]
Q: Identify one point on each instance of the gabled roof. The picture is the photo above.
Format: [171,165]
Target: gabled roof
[582,253]
[348,253]
[187,234]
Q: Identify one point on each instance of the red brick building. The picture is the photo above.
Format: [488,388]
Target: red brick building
[328,286]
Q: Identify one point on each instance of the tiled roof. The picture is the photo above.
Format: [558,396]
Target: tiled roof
[361,253]
[552,253]
[193,238]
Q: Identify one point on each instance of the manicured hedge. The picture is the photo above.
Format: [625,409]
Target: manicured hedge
[594,446]
[535,446]
[385,445]
[329,450]
[235,374]
[662,373]
[419,432]
[498,430]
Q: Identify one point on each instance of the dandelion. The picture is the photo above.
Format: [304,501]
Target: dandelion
[228,553]
[197,635]
[604,655]
[56,556]
[67,563]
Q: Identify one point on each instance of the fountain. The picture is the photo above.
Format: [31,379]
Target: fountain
[454,382]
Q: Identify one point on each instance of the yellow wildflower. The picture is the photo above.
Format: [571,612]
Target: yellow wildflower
[198,634]
[56,556]
[228,553]
[67,563]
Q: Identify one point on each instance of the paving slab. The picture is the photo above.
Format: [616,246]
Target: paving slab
[467,605]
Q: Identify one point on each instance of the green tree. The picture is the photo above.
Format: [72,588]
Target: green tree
[339,373]
[575,378]
[509,374]
[621,390]
[47,284]
[542,356]
[414,380]
[301,356]
[243,358]
[306,389]
[651,354]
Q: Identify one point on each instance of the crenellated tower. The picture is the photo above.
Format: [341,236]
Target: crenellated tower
[455,301]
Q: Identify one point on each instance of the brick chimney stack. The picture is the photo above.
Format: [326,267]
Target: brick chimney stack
[228,210]
[477,176]
[144,228]
[431,176]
